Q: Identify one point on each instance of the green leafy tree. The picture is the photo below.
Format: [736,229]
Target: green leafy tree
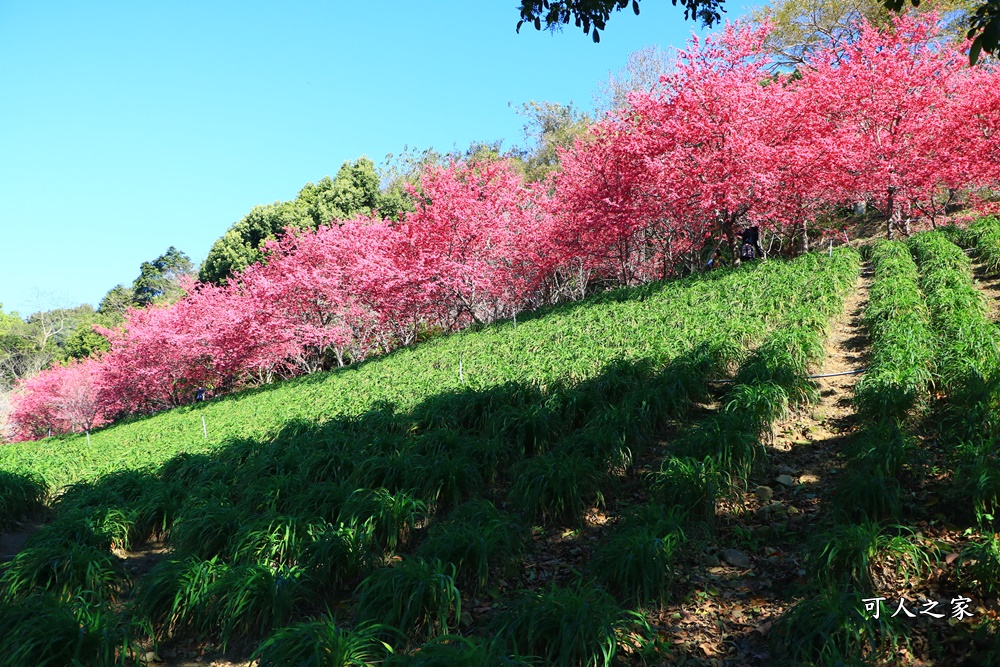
[114,304]
[588,14]
[982,20]
[159,280]
[800,26]
[31,344]
[354,190]
[239,246]
[83,341]
[550,127]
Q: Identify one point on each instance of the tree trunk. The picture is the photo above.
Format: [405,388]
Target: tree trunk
[890,213]
[728,230]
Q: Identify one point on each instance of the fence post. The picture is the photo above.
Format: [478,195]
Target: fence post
[204,429]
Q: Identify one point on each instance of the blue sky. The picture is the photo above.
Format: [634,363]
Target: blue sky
[128,127]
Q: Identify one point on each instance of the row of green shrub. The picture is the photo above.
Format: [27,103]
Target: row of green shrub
[902,345]
[968,370]
[984,236]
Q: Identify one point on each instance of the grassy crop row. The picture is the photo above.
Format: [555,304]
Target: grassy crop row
[902,344]
[773,379]
[968,364]
[967,340]
[984,236]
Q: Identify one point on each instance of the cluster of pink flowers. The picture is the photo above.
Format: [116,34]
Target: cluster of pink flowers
[892,118]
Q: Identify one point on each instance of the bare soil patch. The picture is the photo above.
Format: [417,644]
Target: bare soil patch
[12,542]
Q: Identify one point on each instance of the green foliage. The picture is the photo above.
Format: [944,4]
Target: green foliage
[979,481]
[800,28]
[44,630]
[175,595]
[392,517]
[557,487]
[689,485]
[415,596]
[902,343]
[587,14]
[860,556]
[45,337]
[647,328]
[65,571]
[21,494]
[206,530]
[85,342]
[478,540]
[967,365]
[276,540]
[984,235]
[866,493]
[336,558]
[354,190]
[636,562]
[980,565]
[568,627]
[881,450]
[158,280]
[209,597]
[551,127]
[114,304]
[832,628]
[726,439]
[252,600]
[302,490]
[445,480]
[968,343]
[774,377]
[320,643]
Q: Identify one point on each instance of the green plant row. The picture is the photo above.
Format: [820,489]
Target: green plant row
[901,341]
[888,397]
[967,339]
[968,365]
[851,558]
[984,236]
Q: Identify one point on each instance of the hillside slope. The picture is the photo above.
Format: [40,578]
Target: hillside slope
[648,326]
[508,485]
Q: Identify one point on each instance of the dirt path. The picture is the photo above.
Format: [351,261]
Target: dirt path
[12,542]
[832,417]
[990,286]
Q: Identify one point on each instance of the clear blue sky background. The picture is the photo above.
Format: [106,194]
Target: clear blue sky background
[128,127]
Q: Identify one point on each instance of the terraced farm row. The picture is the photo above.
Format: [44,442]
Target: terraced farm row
[394,509]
